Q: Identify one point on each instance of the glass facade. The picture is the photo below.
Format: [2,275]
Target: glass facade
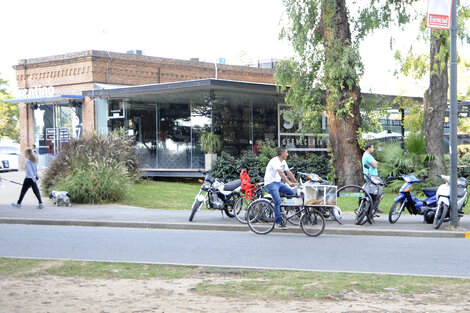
[167,127]
[54,125]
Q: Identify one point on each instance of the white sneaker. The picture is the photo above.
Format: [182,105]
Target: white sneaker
[40,206]
[16,205]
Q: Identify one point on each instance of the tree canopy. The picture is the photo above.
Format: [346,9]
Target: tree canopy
[9,122]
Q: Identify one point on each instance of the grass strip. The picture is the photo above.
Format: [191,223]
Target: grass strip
[242,283]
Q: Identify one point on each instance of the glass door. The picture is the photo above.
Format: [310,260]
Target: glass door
[54,125]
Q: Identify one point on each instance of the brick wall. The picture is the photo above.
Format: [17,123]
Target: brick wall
[72,73]
[72,70]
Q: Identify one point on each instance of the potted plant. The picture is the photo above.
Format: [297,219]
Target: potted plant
[210,144]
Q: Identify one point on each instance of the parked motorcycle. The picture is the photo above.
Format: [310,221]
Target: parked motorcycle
[406,199]
[216,195]
[367,208]
[443,200]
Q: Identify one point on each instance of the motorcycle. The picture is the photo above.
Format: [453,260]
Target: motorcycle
[368,204]
[216,195]
[406,199]
[442,211]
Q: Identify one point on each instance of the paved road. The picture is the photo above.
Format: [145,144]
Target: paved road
[378,254]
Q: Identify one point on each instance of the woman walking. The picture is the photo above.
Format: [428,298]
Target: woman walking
[30,178]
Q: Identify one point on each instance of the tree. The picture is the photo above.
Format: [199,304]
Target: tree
[8,115]
[324,75]
[435,97]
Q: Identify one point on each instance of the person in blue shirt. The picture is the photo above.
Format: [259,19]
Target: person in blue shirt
[31,178]
[368,159]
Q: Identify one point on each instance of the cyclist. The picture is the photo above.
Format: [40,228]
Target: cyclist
[272,179]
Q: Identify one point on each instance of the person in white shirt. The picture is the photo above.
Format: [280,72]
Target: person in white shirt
[272,180]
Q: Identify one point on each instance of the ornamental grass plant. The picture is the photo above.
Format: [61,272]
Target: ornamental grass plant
[95,169]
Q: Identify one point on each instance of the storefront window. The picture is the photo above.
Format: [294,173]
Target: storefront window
[141,123]
[174,132]
[54,126]
[201,120]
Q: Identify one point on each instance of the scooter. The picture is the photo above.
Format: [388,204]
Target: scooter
[443,200]
[406,199]
[367,210]
[216,195]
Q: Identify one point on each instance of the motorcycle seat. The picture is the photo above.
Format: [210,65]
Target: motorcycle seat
[432,190]
[230,186]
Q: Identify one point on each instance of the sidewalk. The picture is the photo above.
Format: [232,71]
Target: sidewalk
[114,215]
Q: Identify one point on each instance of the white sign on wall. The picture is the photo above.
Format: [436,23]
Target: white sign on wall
[439,12]
[36,92]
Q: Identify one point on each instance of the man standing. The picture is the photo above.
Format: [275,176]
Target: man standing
[368,159]
[272,180]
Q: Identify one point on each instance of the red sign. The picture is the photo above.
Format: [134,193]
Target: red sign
[439,12]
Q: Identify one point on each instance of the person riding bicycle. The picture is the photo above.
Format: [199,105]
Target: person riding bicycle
[272,179]
[368,159]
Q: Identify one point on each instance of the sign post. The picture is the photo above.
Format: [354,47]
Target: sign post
[442,14]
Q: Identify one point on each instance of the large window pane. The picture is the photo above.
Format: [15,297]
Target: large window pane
[174,132]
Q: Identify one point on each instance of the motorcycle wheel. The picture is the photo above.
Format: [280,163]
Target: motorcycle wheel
[361,212]
[395,211]
[336,214]
[228,209]
[196,206]
[441,213]
[240,209]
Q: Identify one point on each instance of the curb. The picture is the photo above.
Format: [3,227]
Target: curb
[240,227]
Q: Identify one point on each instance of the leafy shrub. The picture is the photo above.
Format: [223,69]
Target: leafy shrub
[94,169]
[228,167]
[97,182]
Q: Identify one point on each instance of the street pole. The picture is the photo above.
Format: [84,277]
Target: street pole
[454,217]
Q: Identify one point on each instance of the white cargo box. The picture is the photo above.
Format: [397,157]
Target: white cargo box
[324,195]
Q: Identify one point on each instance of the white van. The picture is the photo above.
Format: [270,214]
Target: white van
[9,157]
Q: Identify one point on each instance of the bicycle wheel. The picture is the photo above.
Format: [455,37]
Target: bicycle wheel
[395,211]
[441,213]
[312,223]
[293,214]
[240,209]
[361,212]
[261,216]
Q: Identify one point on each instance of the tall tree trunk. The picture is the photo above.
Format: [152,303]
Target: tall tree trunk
[342,130]
[435,104]
[344,145]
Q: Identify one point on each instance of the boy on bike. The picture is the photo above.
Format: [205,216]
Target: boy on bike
[272,180]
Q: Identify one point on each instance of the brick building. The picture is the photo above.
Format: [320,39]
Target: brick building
[70,95]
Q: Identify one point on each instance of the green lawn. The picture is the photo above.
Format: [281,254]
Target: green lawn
[349,204]
[162,195]
[180,196]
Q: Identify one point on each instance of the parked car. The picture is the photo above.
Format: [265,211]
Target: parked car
[9,157]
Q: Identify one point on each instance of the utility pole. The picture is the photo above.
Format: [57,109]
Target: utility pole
[454,217]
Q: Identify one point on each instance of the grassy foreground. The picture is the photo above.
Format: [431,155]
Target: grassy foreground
[180,196]
[242,283]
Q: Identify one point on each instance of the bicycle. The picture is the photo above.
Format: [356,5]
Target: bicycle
[260,215]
